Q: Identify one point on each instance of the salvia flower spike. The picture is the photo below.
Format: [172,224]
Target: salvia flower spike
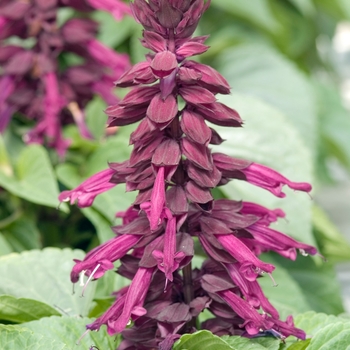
[31,80]
[173,170]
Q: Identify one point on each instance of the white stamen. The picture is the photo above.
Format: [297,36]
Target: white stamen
[82,336]
[273,281]
[81,279]
[303,252]
[89,279]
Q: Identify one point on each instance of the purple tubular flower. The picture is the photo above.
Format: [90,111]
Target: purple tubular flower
[173,169]
[86,192]
[271,180]
[103,256]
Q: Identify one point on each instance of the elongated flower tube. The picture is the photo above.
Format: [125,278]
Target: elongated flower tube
[32,80]
[174,171]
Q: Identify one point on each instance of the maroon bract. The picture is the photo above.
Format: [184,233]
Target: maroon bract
[31,81]
[174,170]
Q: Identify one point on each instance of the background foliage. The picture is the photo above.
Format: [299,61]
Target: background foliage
[277,57]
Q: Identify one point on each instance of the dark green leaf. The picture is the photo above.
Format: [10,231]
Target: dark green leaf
[21,310]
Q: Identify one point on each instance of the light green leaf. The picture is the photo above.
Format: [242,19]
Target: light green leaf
[262,16]
[305,6]
[270,139]
[68,330]
[300,345]
[5,247]
[312,322]
[14,337]
[262,343]
[35,180]
[44,276]
[108,24]
[334,122]
[21,310]
[260,71]
[202,340]
[332,243]
[333,336]
[96,119]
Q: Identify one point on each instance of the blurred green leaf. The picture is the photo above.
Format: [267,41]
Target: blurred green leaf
[300,345]
[334,122]
[112,32]
[258,70]
[14,337]
[261,16]
[35,180]
[44,276]
[5,247]
[22,234]
[96,120]
[21,310]
[331,242]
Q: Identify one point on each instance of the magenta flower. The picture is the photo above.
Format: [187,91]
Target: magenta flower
[86,192]
[173,170]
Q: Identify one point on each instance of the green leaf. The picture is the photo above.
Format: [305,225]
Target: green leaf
[333,336]
[14,337]
[68,330]
[262,16]
[334,122]
[22,234]
[332,243]
[108,24]
[21,310]
[5,247]
[202,340]
[44,276]
[270,139]
[35,180]
[312,322]
[96,119]
[260,71]
[300,345]
[262,343]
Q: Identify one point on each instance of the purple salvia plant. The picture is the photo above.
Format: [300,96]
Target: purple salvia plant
[31,81]
[173,170]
